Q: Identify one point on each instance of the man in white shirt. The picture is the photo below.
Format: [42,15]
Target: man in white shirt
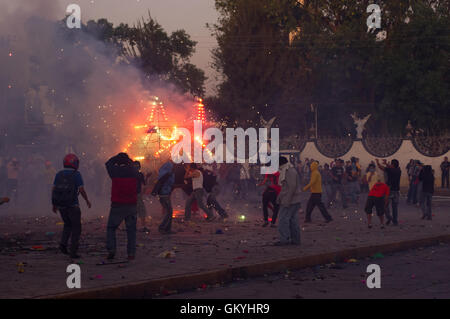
[198,192]
[371,176]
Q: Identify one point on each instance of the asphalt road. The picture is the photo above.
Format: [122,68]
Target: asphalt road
[420,273]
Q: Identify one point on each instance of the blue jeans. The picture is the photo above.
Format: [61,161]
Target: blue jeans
[425,204]
[116,216]
[197,195]
[212,201]
[352,191]
[394,198]
[341,189]
[412,193]
[326,192]
[166,203]
[72,227]
[288,224]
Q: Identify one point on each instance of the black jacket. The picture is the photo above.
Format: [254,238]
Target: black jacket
[427,178]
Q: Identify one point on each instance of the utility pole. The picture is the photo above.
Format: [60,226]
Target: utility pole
[316,111]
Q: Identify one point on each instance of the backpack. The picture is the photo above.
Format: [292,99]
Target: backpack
[209,180]
[64,192]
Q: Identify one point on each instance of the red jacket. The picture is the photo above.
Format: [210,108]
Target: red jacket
[124,182]
[379,190]
[273,181]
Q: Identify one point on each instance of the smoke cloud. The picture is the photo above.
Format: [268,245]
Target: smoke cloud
[62,91]
[69,83]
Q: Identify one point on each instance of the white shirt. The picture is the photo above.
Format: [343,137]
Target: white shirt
[373,180]
[197,182]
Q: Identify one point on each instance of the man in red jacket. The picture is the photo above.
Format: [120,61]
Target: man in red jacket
[124,190]
[378,197]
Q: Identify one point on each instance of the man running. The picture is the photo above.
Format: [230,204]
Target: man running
[198,192]
[164,188]
[315,186]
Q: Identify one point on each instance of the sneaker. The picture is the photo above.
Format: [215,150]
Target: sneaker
[265,224]
[210,219]
[329,220]
[369,226]
[131,257]
[145,230]
[63,249]
[110,256]
[388,221]
[382,226]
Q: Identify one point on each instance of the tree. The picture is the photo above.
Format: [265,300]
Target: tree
[334,64]
[414,72]
[147,45]
[253,60]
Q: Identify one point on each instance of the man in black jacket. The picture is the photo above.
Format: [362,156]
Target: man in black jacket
[445,167]
[427,178]
[393,173]
[212,189]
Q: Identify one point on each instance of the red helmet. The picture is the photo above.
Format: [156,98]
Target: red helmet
[71,161]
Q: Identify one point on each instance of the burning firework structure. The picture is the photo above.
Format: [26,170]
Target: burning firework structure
[151,142]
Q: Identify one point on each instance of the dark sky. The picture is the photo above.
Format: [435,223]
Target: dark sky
[191,15]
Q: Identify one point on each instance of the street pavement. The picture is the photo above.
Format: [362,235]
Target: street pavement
[413,274]
[31,238]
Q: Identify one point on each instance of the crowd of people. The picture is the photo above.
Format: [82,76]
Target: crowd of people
[20,174]
[202,183]
[349,180]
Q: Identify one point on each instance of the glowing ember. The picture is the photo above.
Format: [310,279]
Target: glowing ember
[157,136]
[200,110]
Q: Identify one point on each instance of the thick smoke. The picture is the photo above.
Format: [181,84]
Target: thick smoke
[62,90]
[67,79]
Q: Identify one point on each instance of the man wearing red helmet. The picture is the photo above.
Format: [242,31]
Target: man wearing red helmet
[66,187]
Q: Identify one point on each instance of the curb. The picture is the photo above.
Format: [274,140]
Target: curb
[148,288]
